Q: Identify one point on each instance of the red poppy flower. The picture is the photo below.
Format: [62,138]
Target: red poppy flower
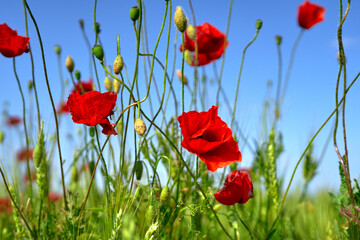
[54,197]
[310,14]
[11,44]
[93,108]
[62,108]
[207,136]
[21,154]
[238,188]
[5,205]
[85,87]
[211,44]
[13,120]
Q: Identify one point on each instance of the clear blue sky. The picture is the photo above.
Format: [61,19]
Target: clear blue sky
[311,93]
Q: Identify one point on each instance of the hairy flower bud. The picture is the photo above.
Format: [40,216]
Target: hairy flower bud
[30,84]
[118,64]
[134,13]
[259,24]
[108,83]
[188,57]
[180,76]
[140,126]
[81,22]
[116,86]
[191,32]
[119,126]
[165,195]
[57,49]
[278,39]
[77,75]
[69,63]
[150,213]
[180,19]
[98,52]
[139,170]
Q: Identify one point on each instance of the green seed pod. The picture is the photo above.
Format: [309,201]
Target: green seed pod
[191,32]
[278,39]
[116,86]
[69,63]
[108,83]
[150,213]
[134,13]
[139,170]
[98,52]
[77,75]
[118,64]
[140,126]
[165,195]
[57,49]
[2,136]
[259,24]
[92,132]
[180,19]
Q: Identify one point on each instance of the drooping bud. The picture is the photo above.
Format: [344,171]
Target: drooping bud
[134,13]
[180,19]
[69,63]
[259,24]
[180,76]
[81,22]
[119,126]
[2,136]
[98,52]
[108,83]
[165,195]
[57,49]
[278,39]
[139,170]
[118,64]
[140,126]
[191,32]
[188,57]
[77,75]
[92,132]
[116,86]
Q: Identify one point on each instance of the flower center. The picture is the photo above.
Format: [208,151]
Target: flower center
[208,136]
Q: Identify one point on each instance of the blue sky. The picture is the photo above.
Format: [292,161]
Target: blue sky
[311,93]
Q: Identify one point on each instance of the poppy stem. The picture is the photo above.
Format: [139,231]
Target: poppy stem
[242,222]
[303,154]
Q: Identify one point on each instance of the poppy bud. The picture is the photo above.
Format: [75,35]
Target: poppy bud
[138,170]
[30,84]
[92,132]
[98,52]
[259,24]
[278,39]
[165,195]
[140,126]
[119,126]
[108,83]
[69,63]
[77,75]
[81,22]
[150,213]
[179,74]
[91,166]
[116,86]
[191,32]
[118,64]
[188,57]
[134,13]
[180,19]
[74,174]
[2,136]
[97,28]
[57,49]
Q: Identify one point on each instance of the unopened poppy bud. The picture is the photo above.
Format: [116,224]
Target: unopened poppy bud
[139,170]
[259,24]
[39,150]
[97,28]
[180,19]
[165,195]
[116,86]
[119,126]
[188,57]
[2,136]
[150,213]
[91,166]
[278,39]
[92,132]
[69,63]
[81,22]
[191,32]
[57,49]
[134,13]
[108,83]
[180,75]
[98,52]
[140,126]
[77,75]
[30,85]
[74,174]
[118,64]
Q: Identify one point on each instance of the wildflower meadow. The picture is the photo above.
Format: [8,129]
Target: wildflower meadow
[179,119]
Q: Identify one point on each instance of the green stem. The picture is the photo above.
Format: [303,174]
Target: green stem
[242,222]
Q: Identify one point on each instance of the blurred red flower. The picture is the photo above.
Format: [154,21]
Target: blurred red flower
[310,14]
[84,88]
[62,108]
[207,136]
[211,44]
[21,154]
[11,44]
[93,108]
[13,120]
[238,188]
[33,176]
[54,197]
[5,205]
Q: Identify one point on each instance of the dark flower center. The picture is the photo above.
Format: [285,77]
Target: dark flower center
[208,136]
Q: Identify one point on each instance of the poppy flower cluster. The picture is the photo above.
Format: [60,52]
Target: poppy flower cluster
[210,41]
[310,14]
[11,44]
[93,108]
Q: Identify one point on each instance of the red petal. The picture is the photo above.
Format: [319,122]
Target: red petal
[310,14]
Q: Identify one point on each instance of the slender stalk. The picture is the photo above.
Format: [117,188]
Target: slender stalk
[242,222]
[52,104]
[193,100]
